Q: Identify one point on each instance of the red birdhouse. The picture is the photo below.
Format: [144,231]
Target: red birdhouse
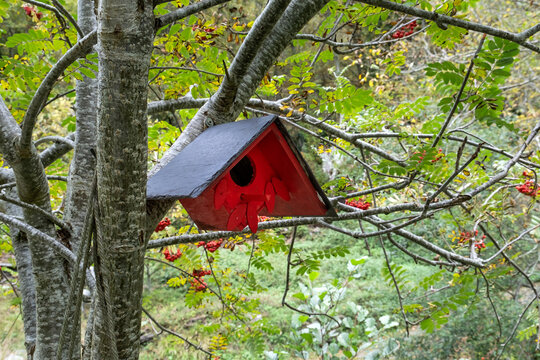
[234,172]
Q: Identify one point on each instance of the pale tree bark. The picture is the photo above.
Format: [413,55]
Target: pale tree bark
[125,38]
[27,286]
[48,268]
[83,164]
[81,172]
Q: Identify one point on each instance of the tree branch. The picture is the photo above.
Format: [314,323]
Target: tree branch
[185,12]
[57,139]
[82,48]
[33,232]
[66,13]
[459,93]
[444,19]
[33,207]
[197,347]
[188,102]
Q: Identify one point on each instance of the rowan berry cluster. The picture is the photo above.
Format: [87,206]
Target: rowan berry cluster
[210,246]
[163,224]
[421,157]
[360,203]
[203,33]
[528,188]
[466,236]
[171,257]
[198,283]
[201,272]
[480,244]
[31,11]
[405,30]
[439,156]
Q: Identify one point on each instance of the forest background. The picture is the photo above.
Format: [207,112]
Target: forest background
[390,109]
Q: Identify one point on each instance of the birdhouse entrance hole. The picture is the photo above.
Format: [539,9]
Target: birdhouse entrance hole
[243,173]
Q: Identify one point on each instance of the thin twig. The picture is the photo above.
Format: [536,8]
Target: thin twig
[460,92]
[197,347]
[492,305]
[520,317]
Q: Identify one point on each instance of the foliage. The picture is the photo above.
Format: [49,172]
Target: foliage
[372,112]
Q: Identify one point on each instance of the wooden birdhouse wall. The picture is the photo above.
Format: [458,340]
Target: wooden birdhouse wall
[270,156]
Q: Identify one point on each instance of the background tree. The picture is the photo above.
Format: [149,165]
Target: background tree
[459,153]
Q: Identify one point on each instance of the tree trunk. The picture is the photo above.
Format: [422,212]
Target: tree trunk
[27,286]
[124,49]
[49,269]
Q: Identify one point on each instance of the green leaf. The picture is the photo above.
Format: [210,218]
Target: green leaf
[391,168]
[358,262]
[504,61]
[87,72]
[174,29]
[427,325]
[308,337]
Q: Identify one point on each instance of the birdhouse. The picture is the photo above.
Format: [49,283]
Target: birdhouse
[233,173]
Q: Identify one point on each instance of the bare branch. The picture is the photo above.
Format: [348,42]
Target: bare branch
[33,232]
[58,139]
[56,97]
[185,102]
[66,13]
[506,246]
[287,281]
[81,49]
[525,34]
[488,295]
[396,286]
[458,96]
[186,11]
[188,102]
[354,215]
[197,347]
[353,47]
[417,257]
[509,164]
[520,317]
[428,245]
[33,207]
[184,68]
[441,19]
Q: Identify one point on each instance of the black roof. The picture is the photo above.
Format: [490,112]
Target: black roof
[204,159]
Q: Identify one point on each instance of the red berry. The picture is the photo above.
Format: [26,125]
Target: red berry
[29,10]
[162,225]
[360,204]
[171,257]
[528,188]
